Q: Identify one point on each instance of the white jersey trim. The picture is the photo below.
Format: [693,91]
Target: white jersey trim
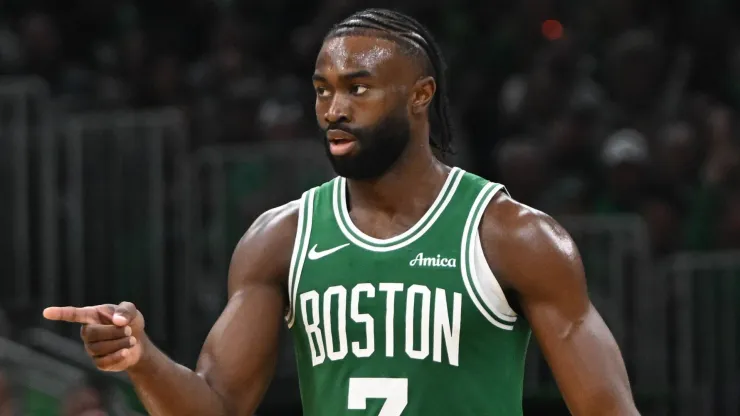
[458,175]
[439,200]
[294,255]
[308,197]
[486,283]
[480,282]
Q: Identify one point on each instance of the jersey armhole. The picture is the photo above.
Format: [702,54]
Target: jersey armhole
[491,290]
[480,281]
[300,247]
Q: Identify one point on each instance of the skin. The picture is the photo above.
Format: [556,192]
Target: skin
[534,257]
[359,80]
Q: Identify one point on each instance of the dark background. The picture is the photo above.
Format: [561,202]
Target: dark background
[139,139]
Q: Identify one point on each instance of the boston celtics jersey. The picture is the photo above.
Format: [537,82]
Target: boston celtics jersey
[411,325]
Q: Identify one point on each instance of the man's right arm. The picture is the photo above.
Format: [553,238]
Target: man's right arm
[238,358]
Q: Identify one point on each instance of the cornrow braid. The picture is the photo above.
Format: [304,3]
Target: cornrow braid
[416,40]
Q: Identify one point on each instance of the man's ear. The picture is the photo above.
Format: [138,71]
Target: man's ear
[422,95]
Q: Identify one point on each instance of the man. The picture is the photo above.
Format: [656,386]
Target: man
[410,287]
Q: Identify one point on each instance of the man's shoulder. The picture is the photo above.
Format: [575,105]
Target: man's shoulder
[273,229]
[263,254]
[508,215]
[282,219]
[516,237]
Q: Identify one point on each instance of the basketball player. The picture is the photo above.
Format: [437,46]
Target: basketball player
[410,287]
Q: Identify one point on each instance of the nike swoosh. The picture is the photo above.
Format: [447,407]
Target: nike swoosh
[315,255]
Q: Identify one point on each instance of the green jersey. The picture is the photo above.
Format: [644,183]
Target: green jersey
[415,324]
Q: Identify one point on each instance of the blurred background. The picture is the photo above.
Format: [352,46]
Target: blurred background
[139,139]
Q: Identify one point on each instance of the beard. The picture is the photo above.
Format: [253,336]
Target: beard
[378,148]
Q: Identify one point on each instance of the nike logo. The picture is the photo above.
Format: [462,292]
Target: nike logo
[315,255]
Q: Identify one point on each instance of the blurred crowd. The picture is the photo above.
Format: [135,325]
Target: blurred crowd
[577,106]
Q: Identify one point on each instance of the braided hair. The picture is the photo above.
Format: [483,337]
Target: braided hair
[416,41]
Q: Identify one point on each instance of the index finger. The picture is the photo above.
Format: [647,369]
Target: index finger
[86,315]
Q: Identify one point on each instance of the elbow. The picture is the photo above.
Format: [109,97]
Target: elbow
[219,404]
[244,404]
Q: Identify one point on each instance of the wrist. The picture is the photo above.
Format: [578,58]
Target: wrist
[146,353]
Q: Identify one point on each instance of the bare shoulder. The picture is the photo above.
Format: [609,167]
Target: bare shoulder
[530,249]
[263,254]
[533,255]
[274,222]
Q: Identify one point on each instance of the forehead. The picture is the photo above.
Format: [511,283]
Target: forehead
[352,53]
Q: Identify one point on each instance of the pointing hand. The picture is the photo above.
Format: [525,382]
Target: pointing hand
[112,334]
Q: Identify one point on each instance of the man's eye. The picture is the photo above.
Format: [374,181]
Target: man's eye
[358,89]
[322,92]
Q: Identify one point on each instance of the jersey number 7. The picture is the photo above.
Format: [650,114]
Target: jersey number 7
[395,391]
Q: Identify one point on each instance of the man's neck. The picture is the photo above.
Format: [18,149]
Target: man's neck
[409,188]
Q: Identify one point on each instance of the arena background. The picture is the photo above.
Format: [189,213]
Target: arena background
[139,139]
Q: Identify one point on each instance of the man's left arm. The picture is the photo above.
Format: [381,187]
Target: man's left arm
[532,255]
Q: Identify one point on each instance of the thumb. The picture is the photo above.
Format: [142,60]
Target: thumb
[124,313]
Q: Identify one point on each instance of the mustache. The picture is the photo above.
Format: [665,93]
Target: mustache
[341,127]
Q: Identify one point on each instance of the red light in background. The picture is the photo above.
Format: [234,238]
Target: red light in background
[552,29]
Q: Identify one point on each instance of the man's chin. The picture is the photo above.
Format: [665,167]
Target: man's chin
[351,168]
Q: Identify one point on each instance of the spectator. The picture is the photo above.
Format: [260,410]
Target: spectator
[678,155]
[633,73]
[664,212]
[523,165]
[42,50]
[625,156]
